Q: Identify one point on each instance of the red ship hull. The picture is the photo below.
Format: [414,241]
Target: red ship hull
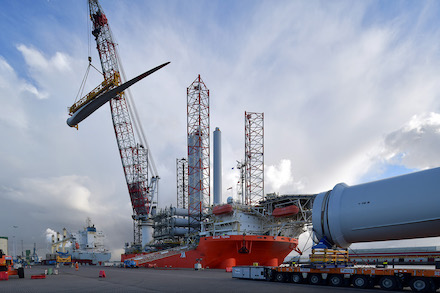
[220,252]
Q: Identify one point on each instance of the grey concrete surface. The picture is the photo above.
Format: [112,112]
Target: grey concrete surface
[86,279]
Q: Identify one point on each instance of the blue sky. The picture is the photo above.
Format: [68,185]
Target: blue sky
[349,90]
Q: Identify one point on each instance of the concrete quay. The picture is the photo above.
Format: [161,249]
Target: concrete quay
[86,279]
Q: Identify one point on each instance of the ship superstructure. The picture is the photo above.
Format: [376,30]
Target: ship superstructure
[88,244]
[84,246]
[286,215]
[277,216]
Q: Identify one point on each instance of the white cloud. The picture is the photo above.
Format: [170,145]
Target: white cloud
[67,193]
[416,144]
[12,111]
[35,59]
[279,175]
[49,234]
[54,76]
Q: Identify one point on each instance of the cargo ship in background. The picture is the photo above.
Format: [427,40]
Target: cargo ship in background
[232,234]
[84,247]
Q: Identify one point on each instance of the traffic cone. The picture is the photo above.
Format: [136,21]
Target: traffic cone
[102,274]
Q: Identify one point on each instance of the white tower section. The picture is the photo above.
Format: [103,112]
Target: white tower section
[403,207]
[217,170]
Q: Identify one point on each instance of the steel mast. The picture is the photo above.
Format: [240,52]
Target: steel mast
[135,157]
[198,152]
[254,157]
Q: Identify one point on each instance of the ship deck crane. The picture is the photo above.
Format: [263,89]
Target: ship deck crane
[138,165]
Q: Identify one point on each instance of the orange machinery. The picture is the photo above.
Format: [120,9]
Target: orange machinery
[7,267]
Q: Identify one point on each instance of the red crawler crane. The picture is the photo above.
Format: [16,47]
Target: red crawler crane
[136,158]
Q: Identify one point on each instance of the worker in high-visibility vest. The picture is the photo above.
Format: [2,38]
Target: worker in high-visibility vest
[76,266]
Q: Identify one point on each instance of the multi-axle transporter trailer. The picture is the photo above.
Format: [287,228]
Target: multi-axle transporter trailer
[419,280]
[403,207]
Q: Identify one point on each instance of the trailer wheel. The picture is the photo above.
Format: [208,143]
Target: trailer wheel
[336,281]
[388,283]
[361,281]
[20,272]
[279,277]
[315,279]
[297,278]
[422,285]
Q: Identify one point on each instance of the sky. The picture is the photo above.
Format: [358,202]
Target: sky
[348,89]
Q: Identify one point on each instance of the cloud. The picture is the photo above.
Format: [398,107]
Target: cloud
[49,234]
[35,59]
[57,75]
[14,95]
[279,175]
[67,193]
[416,144]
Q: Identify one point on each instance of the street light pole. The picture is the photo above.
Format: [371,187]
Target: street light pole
[13,241]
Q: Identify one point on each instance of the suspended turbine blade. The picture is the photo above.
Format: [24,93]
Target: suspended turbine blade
[96,103]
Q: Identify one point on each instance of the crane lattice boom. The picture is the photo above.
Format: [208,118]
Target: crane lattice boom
[134,156]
